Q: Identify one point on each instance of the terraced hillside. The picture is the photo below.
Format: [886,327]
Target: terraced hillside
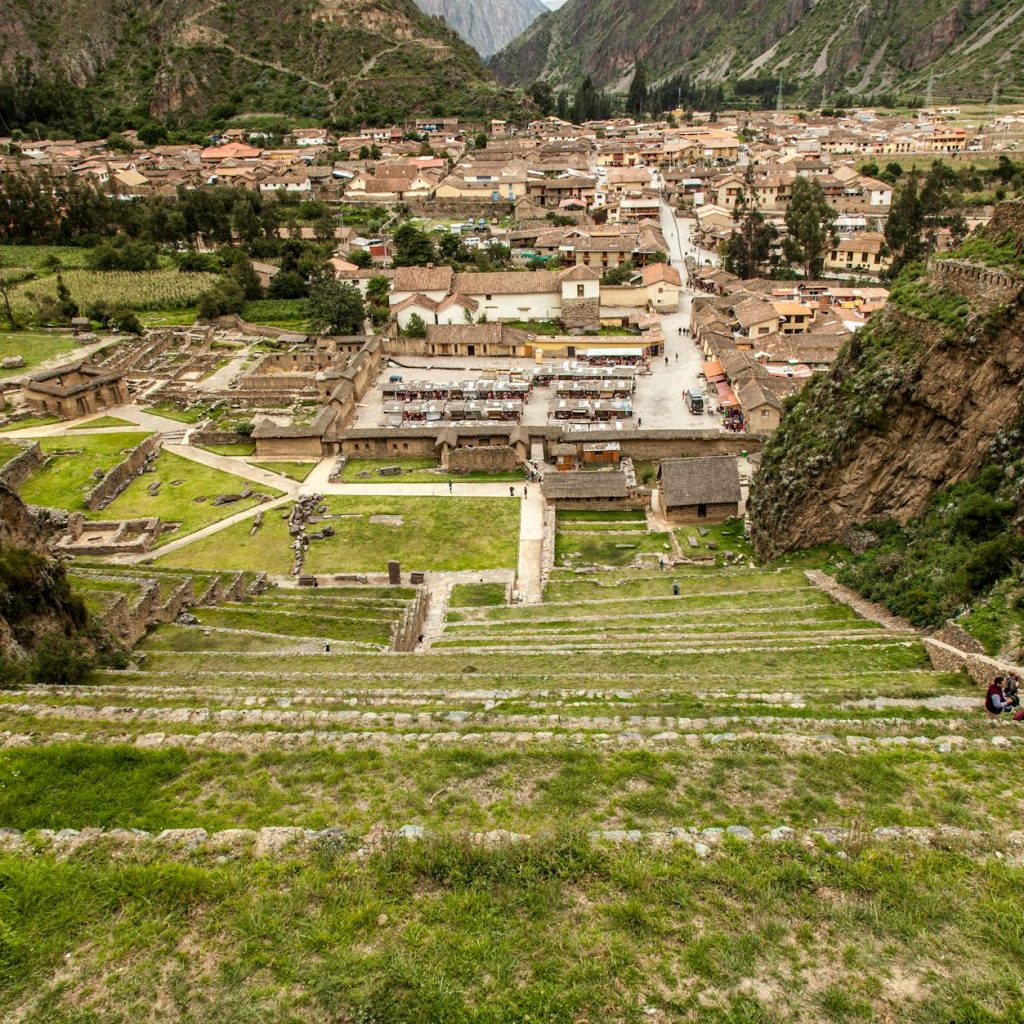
[744,803]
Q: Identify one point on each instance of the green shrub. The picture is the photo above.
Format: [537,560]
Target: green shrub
[59,661]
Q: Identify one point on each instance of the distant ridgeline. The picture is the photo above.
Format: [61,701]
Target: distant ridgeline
[911,449]
[90,67]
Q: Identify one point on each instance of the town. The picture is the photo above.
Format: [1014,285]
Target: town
[477,569]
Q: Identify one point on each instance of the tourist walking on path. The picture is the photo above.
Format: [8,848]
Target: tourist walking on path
[449,487]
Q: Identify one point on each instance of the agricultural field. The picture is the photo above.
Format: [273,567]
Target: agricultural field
[146,290]
[37,257]
[34,347]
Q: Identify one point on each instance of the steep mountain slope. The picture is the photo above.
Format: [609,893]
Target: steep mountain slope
[487,25]
[913,404]
[862,47]
[36,603]
[183,59]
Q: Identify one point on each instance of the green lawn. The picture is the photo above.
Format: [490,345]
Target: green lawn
[612,550]
[169,317]
[34,347]
[418,471]
[477,595]
[8,451]
[65,481]
[239,448]
[293,470]
[105,421]
[29,422]
[182,482]
[414,471]
[436,533]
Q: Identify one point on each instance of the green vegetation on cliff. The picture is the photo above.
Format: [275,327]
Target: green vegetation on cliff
[911,449]
[91,68]
[841,52]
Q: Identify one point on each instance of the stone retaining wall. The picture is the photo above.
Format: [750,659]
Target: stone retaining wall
[410,626]
[981,668]
[482,459]
[118,478]
[20,467]
[216,437]
[985,285]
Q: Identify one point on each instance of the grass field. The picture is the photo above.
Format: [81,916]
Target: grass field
[293,470]
[290,314]
[104,421]
[191,415]
[68,477]
[417,471]
[435,533]
[240,448]
[747,804]
[182,482]
[8,450]
[28,423]
[32,257]
[34,347]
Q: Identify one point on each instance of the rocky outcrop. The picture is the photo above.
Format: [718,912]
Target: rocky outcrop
[487,25]
[844,45]
[911,406]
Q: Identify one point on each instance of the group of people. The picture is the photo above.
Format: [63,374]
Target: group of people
[1003,698]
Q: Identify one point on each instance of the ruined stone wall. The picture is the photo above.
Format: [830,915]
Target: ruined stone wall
[581,312]
[118,478]
[17,469]
[986,286]
[410,626]
[201,437]
[482,459]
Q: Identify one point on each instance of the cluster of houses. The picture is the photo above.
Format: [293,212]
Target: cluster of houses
[762,340]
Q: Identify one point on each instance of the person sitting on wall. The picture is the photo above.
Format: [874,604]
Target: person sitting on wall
[996,702]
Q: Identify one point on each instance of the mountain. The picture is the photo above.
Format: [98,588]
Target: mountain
[859,48]
[487,25]
[917,401]
[185,60]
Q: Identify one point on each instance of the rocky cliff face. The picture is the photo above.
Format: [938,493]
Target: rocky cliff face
[487,25]
[859,47]
[35,599]
[911,406]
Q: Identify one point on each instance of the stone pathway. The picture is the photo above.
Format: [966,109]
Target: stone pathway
[237,467]
[863,607]
[529,573]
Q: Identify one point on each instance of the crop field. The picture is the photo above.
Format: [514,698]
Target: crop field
[145,290]
[746,803]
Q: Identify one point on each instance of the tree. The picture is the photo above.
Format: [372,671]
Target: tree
[153,133]
[223,299]
[287,284]
[810,223]
[360,257]
[543,96]
[903,229]
[68,308]
[413,247]
[416,327]
[480,142]
[241,271]
[336,307]
[618,275]
[636,98]
[749,247]
[377,290]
